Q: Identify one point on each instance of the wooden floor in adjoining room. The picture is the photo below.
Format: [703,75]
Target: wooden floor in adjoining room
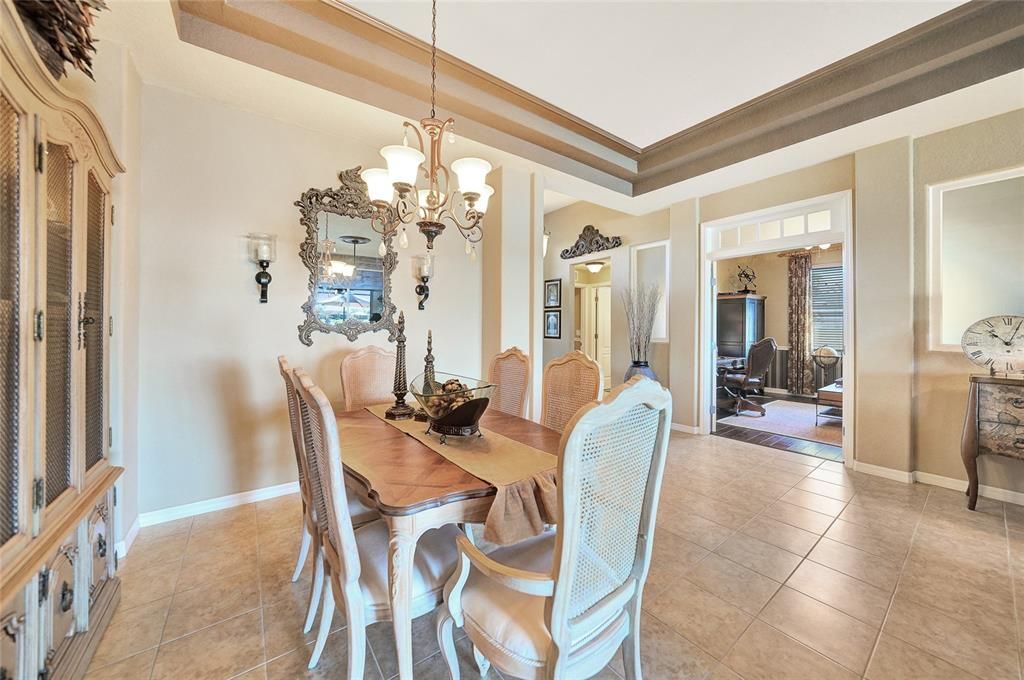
[767,564]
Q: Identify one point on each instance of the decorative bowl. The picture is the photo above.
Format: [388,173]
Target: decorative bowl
[453,403]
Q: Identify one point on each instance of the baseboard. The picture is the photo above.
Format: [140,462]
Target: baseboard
[202,507]
[688,429]
[775,390]
[993,492]
[124,545]
[887,473]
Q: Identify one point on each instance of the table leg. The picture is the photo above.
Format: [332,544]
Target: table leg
[401,553]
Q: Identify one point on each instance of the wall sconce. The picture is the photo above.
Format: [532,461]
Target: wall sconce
[422,270]
[547,237]
[263,251]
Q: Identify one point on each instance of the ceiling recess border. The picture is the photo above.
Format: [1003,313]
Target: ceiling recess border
[363,58]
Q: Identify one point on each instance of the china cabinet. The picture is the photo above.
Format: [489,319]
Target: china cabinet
[58,584]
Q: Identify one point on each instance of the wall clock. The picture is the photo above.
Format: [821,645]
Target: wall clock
[996,343]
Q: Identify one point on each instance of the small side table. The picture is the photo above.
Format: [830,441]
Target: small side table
[829,403]
[994,425]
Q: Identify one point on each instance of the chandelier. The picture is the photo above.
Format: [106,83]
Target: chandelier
[434,204]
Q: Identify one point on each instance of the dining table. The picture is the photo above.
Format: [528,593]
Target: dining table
[416,489]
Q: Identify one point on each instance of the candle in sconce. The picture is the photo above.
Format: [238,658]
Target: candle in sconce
[263,251]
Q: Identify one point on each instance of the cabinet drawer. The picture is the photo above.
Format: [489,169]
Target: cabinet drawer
[58,607]
[99,547]
[1002,439]
[1001,404]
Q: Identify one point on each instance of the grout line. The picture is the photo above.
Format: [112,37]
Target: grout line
[1014,596]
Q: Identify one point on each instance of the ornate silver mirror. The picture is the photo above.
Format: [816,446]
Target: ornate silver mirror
[349,263]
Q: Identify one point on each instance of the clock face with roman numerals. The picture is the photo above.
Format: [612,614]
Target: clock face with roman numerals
[996,343]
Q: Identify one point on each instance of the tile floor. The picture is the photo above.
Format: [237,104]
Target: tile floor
[767,564]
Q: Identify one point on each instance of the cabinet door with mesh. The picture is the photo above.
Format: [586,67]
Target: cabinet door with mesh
[59,314]
[94,324]
[12,146]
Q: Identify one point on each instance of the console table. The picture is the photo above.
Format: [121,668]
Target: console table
[994,424]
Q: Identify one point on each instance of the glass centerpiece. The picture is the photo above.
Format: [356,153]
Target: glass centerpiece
[453,403]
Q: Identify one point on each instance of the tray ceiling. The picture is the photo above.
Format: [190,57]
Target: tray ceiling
[643,71]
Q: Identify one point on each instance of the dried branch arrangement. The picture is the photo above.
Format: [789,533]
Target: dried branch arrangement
[60,31]
[641,309]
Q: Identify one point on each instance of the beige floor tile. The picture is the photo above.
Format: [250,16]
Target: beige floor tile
[259,673]
[702,618]
[211,602]
[764,558]
[798,458]
[131,631]
[1014,516]
[721,512]
[220,538]
[892,544]
[845,593]
[812,501]
[734,583]
[838,492]
[795,468]
[764,653]
[989,652]
[723,672]
[828,631]
[874,515]
[781,535]
[664,655]
[279,513]
[435,668]
[671,557]
[381,637]
[776,475]
[206,567]
[238,515]
[959,589]
[896,660]
[153,552]
[838,477]
[149,584]
[220,651]
[758,487]
[333,662]
[163,530]
[135,667]
[877,571]
[282,626]
[802,518]
[693,528]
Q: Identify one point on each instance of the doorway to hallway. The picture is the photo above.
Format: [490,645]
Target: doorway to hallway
[592,329]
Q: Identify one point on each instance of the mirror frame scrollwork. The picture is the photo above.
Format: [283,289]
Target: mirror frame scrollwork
[349,199]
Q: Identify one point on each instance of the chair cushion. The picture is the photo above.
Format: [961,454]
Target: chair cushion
[434,563]
[509,619]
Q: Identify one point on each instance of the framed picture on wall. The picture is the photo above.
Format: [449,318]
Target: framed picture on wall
[553,324]
[553,293]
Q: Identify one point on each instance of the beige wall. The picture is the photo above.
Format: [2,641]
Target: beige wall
[212,417]
[565,226]
[940,383]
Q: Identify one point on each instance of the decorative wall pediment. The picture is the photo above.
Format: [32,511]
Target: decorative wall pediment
[591,241]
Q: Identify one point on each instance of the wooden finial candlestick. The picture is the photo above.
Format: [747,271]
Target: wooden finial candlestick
[400,410]
[429,382]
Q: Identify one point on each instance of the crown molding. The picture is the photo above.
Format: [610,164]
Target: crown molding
[335,46]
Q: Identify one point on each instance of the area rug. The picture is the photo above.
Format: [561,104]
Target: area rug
[793,419]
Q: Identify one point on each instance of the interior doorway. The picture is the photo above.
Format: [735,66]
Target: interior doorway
[776,336]
[592,330]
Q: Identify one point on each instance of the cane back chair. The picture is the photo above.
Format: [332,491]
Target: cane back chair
[560,605]
[510,371]
[368,377]
[355,559]
[570,381]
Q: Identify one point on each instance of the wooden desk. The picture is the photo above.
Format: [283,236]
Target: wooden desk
[415,489]
[829,403]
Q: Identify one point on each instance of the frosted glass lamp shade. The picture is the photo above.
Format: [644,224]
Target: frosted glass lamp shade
[472,174]
[594,267]
[262,247]
[485,196]
[378,184]
[403,163]
[423,266]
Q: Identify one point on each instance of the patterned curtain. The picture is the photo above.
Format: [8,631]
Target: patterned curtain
[800,376]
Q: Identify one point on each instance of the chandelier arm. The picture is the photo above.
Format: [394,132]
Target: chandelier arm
[419,135]
[407,211]
[386,220]
[448,200]
[474,224]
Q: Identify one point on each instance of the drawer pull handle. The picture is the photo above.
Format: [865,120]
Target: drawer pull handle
[67,597]
[1017,402]
[1018,443]
[101,546]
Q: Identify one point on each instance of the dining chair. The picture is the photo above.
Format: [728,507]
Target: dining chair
[560,605]
[310,533]
[356,558]
[569,382]
[368,377]
[510,371]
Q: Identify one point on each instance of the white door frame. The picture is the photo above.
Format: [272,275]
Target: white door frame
[841,204]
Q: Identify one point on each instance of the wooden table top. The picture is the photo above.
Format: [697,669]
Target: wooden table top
[408,476]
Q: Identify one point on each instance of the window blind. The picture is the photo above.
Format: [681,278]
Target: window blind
[827,307]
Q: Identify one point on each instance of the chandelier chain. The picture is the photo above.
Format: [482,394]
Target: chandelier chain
[433,59]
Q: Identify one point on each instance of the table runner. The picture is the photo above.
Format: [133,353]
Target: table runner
[527,496]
